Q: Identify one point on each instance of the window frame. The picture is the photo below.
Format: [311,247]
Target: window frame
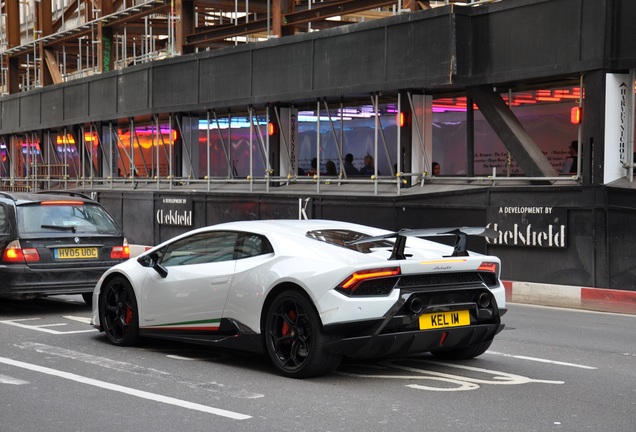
[222,253]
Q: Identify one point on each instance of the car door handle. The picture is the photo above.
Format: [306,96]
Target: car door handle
[219,280]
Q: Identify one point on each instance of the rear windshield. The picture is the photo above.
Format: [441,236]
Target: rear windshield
[345,237]
[68,217]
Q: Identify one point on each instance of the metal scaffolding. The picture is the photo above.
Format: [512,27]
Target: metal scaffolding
[47,42]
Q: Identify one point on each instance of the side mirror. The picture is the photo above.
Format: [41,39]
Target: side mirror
[152,260]
[146,260]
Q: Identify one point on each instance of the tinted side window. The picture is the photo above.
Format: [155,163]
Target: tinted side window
[250,245]
[345,237]
[4,223]
[200,249]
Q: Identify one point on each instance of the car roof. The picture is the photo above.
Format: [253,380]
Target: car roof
[295,226]
[29,197]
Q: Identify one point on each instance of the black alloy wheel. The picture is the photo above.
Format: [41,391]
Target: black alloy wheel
[118,312]
[295,340]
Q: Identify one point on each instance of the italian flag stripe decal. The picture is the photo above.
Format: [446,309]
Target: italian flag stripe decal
[202,325]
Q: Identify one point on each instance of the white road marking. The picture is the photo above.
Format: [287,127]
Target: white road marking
[121,366]
[452,382]
[126,390]
[52,325]
[540,360]
[43,328]
[9,380]
[177,357]
[78,319]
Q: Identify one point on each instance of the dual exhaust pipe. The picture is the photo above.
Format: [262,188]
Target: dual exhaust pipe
[416,305]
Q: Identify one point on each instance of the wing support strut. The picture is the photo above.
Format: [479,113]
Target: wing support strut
[459,248]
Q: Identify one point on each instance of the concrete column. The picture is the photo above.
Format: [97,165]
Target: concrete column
[593,133]
[191,155]
[110,151]
[104,48]
[184,9]
[406,136]
[12,9]
[422,134]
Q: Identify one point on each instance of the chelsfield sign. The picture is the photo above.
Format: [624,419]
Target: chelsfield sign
[533,226]
[173,211]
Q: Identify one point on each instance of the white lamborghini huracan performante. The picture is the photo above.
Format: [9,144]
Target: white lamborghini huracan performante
[308,293]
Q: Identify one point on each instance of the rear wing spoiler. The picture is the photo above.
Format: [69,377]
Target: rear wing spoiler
[459,248]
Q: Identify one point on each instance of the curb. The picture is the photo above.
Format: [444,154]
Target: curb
[597,299]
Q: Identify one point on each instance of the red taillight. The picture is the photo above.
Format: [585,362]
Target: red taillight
[489,267]
[120,252]
[14,253]
[352,282]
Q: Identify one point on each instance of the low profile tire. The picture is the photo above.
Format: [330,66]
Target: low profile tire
[118,312]
[469,352]
[294,338]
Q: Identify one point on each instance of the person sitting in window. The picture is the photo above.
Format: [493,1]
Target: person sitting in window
[349,169]
[314,167]
[330,168]
[436,168]
[570,164]
[369,167]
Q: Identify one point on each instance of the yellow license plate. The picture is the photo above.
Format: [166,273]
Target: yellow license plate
[444,319]
[76,253]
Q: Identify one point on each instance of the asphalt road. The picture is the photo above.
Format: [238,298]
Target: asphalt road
[550,369]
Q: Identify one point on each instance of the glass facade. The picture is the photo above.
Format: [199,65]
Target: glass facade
[214,146]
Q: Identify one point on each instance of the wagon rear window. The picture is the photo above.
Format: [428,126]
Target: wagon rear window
[75,218]
[344,238]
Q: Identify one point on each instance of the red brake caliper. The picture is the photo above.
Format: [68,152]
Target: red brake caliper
[292,316]
[129,315]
